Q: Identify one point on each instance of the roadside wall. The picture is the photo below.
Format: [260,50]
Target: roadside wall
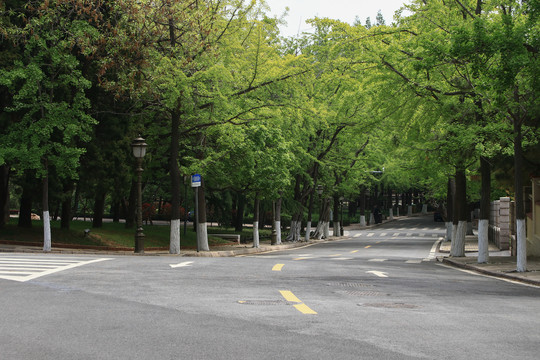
[500,223]
[533,220]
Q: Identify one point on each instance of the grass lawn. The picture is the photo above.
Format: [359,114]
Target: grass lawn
[114,235]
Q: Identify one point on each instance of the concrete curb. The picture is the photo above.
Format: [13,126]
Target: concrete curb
[503,275]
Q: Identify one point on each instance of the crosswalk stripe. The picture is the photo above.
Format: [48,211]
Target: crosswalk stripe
[25,269]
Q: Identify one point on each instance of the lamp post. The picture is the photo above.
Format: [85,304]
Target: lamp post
[186,179]
[139,150]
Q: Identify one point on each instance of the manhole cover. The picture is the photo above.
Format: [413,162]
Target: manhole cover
[267,302]
[390,305]
[350,284]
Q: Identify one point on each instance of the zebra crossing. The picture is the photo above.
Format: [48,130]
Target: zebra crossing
[395,235]
[25,268]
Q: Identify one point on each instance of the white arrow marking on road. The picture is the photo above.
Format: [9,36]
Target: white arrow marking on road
[183,264]
[378,273]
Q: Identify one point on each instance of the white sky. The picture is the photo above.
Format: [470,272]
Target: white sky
[344,10]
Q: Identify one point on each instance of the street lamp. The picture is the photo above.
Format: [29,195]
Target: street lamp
[139,150]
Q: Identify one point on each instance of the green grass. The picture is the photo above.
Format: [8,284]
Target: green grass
[111,234]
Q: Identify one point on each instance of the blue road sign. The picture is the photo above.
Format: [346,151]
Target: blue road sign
[196,180]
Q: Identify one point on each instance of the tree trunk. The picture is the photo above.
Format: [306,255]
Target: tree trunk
[256,221]
[4,195]
[46,220]
[521,239]
[483,222]
[390,206]
[65,216]
[277,220]
[362,206]
[460,221]
[239,219]
[174,170]
[337,225]
[310,212]
[324,220]
[450,194]
[99,209]
[25,210]
[115,209]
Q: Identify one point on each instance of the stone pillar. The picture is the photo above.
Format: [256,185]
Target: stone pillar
[504,223]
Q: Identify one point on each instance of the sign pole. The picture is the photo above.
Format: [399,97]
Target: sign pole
[196,182]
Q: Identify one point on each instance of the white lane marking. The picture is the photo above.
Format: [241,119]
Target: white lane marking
[182,264]
[378,273]
[16,273]
[357,235]
[395,234]
[409,234]
[377,260]
[370,234]
[383,234]
[342,258]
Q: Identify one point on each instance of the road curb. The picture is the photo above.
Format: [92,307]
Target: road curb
[457,264]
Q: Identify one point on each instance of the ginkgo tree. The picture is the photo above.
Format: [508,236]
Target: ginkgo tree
[50,121]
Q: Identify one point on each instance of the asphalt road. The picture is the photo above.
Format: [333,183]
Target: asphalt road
[377,295]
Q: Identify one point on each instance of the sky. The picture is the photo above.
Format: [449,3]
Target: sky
[344,10]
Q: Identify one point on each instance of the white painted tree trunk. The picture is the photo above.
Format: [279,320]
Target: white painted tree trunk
[409,210]
[308,230]
[391,214]
[202,236]
[46,232]
[255,234]
[319,230]
[424,209]
[449,228]
[362,220]
[458,242]
[326,229]
[337,228]
[277,226]
[174,247]
[294,233]
[483,241]
[521,242]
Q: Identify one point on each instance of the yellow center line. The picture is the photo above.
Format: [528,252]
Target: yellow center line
[278,267]
[303,308]
[354,251]
[367,247]
[334,255]
[289,296]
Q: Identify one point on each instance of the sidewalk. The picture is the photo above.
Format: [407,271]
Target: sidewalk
[500,263]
